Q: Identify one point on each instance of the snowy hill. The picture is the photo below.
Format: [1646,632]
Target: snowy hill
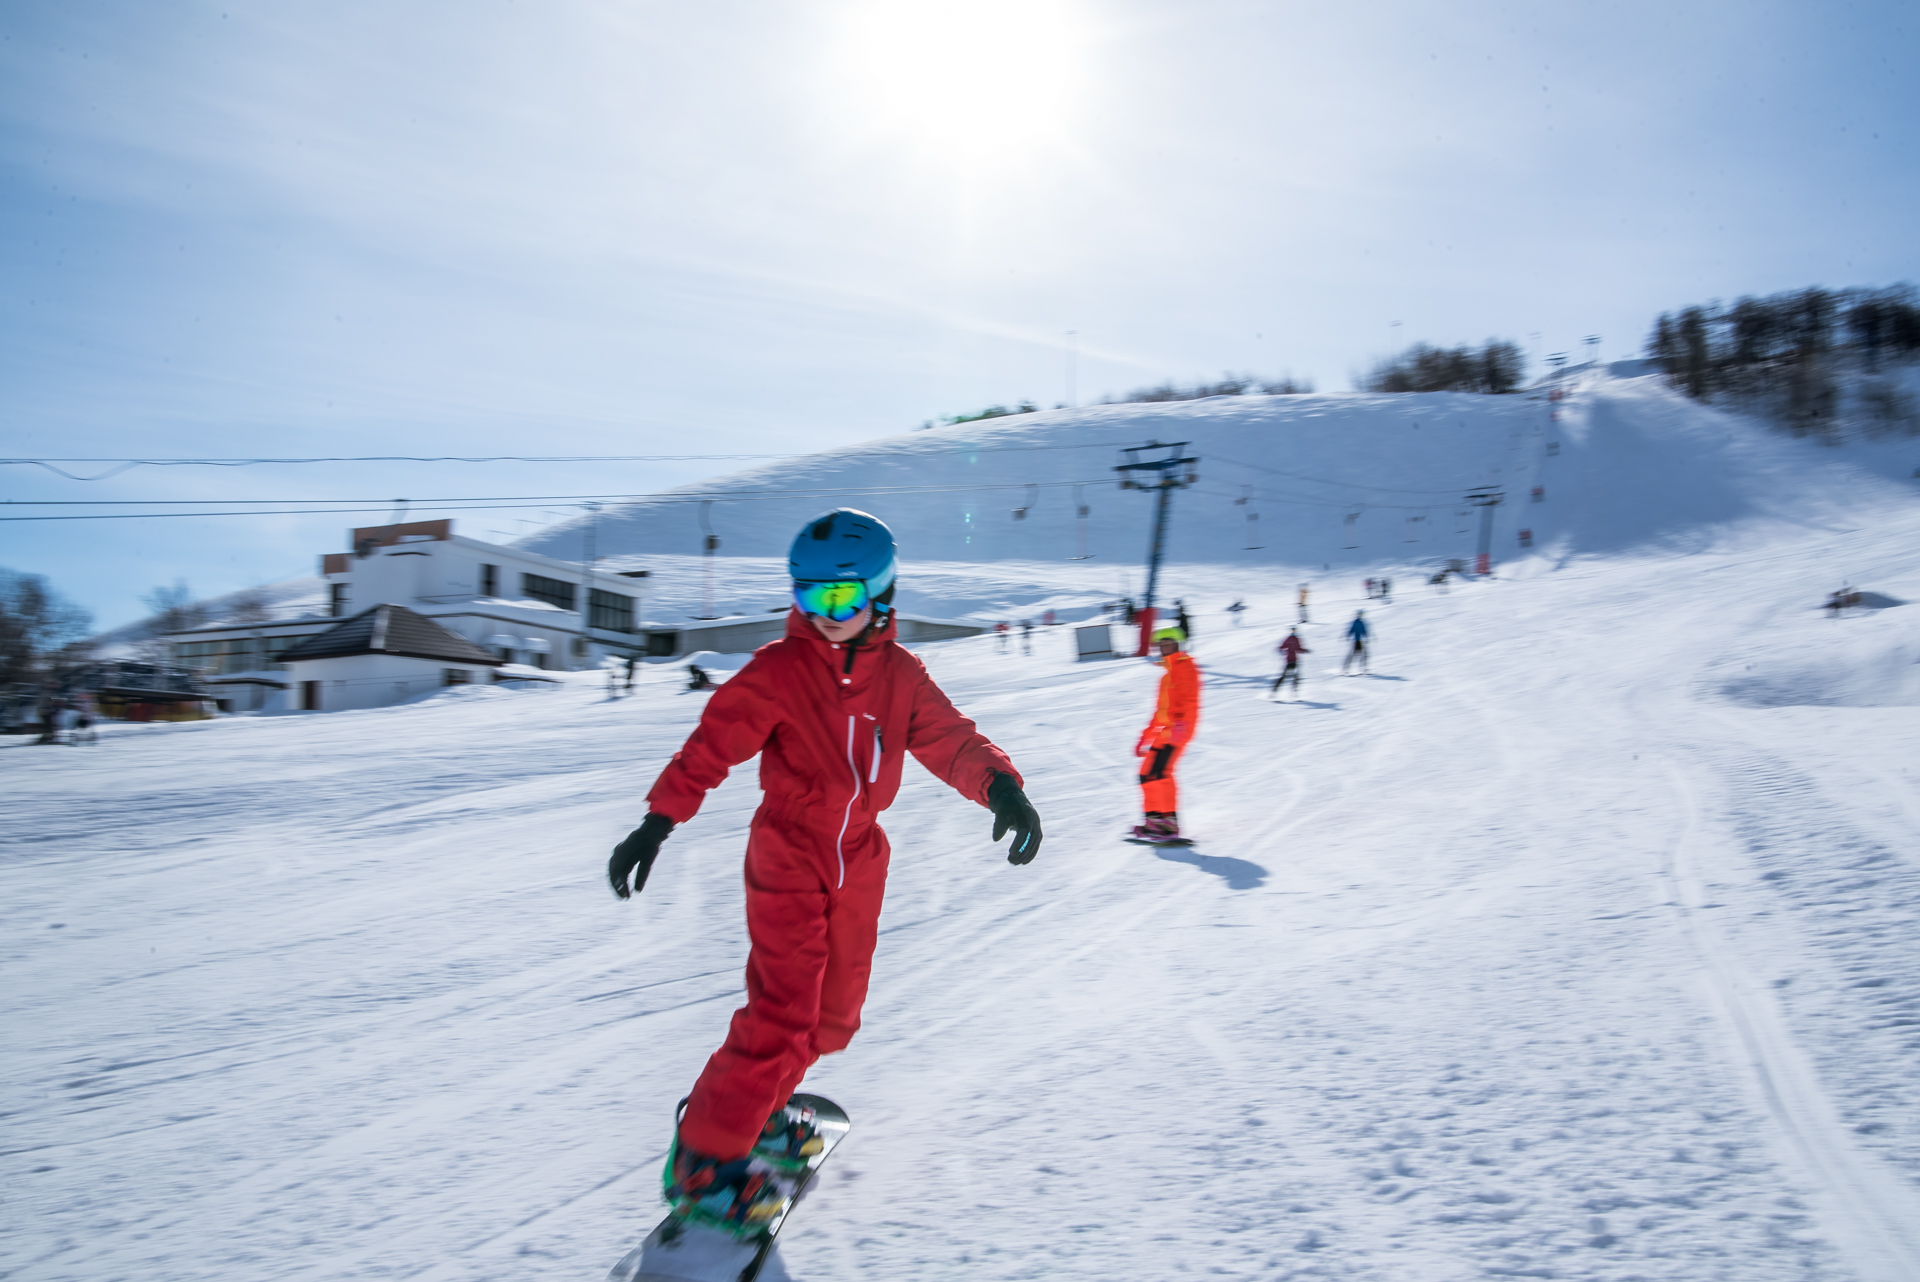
[1629,463]
[1579,940]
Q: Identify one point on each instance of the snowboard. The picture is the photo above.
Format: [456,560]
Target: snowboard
[1158,841]
[684,1250]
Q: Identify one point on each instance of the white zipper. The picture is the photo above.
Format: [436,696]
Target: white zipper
[873,772]
[847,818]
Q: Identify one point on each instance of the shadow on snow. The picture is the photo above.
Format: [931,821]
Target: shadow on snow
[1239,874]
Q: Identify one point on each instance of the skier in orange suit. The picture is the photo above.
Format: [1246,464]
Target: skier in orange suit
[1175,717]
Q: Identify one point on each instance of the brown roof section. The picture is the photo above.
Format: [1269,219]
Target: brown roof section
[387,535]
[389,629]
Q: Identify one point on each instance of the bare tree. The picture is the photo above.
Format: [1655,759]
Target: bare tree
[250,606]
[39,630]
[174,610]
[1495,369]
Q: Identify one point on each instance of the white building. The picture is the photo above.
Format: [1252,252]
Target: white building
[524,607]
[518,607]
[379,657]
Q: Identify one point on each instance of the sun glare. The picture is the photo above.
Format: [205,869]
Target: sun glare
[975,83]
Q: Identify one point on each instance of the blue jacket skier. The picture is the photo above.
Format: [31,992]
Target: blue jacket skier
[1357,632]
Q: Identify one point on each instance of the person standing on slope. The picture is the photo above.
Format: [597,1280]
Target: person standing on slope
[1175,717]
[831,708]
[1302,602]
[1357,633]
[1291,649]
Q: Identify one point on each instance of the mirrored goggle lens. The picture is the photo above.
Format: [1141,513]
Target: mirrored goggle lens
[836,601]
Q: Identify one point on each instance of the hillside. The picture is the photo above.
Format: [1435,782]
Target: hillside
[1630,464]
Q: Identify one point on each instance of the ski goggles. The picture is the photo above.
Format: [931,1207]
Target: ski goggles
[837,601]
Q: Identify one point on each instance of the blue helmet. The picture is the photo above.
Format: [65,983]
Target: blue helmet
[846,545]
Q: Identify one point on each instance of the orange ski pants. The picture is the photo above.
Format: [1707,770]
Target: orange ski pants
[1158,790]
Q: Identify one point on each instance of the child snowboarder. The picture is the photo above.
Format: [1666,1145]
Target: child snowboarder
[1291,649]
[832,708]
[1175,717]
[1357,632]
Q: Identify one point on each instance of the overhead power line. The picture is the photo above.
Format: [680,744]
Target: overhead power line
[1319,480]
[123,464]
[483,505]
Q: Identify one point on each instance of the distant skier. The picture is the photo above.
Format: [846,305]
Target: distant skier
[1000,634]
[1026,636]
[1386,591]
[1180,619]
[1303,603]
[1369,589]
[1290,650]
[1237,609]
[1176,715]
[831,709]
[633,662]
[697,678]
[1357,633]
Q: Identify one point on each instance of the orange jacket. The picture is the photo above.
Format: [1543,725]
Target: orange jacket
[1177,714]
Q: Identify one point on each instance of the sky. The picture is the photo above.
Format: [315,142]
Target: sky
[589,228]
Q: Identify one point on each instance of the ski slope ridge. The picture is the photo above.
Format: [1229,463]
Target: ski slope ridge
[1334,480]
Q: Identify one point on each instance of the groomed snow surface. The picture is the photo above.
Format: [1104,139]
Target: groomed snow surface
[1580,939]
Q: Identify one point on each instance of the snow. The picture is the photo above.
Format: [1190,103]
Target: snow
[1579,940]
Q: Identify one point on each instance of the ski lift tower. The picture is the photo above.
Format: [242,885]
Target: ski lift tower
[1486,499]
[1162,469]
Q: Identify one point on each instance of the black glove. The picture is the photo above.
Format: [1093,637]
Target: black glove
[634,856]
[1011,809]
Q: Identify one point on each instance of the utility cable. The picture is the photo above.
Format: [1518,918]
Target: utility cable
[910,452]
[457,505]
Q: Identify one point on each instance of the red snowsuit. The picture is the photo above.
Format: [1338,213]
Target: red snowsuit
[1175,717]
[831,723]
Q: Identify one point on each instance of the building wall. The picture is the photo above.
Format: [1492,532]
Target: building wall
[371,680]
[430,574]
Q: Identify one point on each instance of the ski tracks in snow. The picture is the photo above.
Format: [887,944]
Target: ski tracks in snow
[1869,1208]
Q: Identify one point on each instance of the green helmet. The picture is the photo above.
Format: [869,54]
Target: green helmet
[1170,632]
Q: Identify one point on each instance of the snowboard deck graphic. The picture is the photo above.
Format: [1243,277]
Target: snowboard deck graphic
[686,1250]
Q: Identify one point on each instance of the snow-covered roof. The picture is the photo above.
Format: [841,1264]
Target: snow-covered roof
[389,629]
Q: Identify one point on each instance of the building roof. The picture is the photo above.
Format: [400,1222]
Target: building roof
[389,629]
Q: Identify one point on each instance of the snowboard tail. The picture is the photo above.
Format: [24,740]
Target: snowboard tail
[686,1247]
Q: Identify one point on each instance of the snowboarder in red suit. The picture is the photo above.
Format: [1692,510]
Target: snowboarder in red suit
[831,708]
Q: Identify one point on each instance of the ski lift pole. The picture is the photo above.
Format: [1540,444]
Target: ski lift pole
[1486,500]
[709,544]
[1172,472]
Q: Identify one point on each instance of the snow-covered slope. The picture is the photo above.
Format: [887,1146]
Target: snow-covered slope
[1629,462]
[1580,940]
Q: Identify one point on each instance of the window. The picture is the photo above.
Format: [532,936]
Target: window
[489,580]
[455,676]
[610,611]
[336,599]
[553,591]
[235,654]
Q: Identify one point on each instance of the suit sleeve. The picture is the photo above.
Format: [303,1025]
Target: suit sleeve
[738,720]
[950,746]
